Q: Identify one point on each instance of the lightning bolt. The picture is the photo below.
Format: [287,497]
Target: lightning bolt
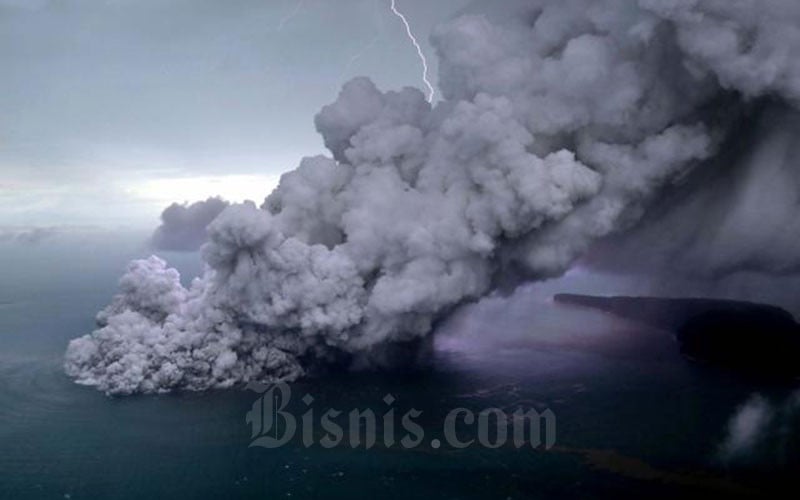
[419,50]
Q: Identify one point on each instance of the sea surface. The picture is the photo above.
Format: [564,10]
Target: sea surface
[633,417]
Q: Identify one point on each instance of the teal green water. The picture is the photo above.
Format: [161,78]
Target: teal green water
[632,416]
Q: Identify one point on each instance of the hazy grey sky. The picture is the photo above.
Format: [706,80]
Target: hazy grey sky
[111,109]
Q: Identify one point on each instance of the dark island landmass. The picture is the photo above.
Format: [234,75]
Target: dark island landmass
[756,339]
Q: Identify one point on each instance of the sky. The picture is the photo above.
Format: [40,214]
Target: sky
[111,110]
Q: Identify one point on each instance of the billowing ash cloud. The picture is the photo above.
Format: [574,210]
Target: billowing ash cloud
[561,122]
[183,226]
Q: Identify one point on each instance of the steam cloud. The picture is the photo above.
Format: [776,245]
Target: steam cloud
[763,432]
[561,122]
[183,227]
[747,427]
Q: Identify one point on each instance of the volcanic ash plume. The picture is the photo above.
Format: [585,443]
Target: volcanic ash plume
[560,123]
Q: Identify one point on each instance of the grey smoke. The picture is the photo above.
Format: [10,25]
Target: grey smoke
[183,226]
[561,122]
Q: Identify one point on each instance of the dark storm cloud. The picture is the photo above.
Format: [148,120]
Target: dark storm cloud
[183,226]
[737,215]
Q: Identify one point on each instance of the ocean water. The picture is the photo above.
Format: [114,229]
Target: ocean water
[633,417]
